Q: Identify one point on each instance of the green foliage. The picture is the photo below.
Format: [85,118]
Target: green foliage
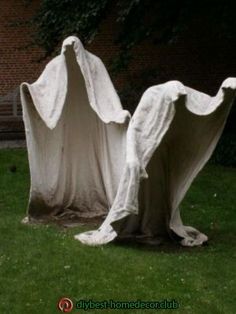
[157,20]
[41,263]
[136,85]
[55,20]
[225,153]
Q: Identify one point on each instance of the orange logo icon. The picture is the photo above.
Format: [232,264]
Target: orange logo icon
[65,305]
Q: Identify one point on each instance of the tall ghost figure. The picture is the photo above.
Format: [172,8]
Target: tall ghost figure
[89,157]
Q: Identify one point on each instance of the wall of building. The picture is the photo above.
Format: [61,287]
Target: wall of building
[16,63]
[198,61]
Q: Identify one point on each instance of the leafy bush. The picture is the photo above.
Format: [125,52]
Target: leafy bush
[225,153]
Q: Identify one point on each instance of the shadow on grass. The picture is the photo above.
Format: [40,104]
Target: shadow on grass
[166,246]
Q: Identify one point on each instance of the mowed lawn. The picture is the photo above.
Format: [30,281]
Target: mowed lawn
[39,264]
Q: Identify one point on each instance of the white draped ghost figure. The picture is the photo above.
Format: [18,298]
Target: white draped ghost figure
[87,157]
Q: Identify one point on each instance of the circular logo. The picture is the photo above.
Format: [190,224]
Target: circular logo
[65,305]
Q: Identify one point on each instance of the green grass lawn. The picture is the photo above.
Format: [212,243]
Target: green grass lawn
[39,264]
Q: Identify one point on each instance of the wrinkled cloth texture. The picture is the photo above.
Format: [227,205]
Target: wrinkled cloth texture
[86,156]
[76,133]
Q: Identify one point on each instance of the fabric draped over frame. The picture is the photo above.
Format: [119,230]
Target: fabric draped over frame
[86,156]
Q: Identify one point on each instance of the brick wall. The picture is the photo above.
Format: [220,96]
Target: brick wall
[19,64]
[196,61]
[15,62]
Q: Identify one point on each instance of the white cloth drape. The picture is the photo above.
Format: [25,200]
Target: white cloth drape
[84,155]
